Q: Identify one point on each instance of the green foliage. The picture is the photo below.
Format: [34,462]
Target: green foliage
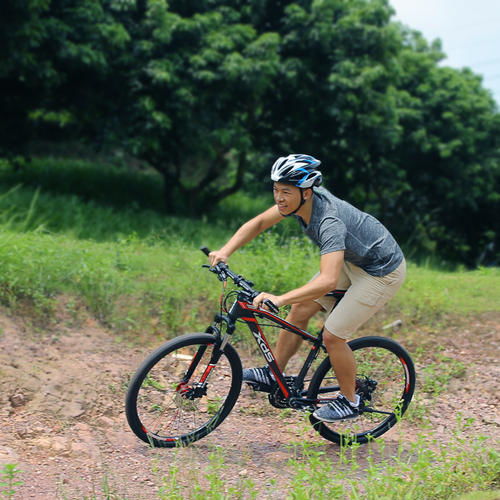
[9,480]
[208,93]
[57,72]
[425,470]
[139,271]
[193,117]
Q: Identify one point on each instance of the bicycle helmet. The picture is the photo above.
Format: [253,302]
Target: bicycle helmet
[298,170]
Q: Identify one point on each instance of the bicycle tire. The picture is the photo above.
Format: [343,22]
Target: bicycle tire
[164,409]
[380,360]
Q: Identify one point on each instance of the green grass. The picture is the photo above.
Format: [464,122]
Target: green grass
[460,291]
[424,470]
[137,269]
[139,272]
[89,180]
[464,468]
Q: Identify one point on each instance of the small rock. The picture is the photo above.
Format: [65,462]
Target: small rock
[105,421]
[17,399]
[7,456]
[43,442]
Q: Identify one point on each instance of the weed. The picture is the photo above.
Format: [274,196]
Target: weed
[423,469]
[9,480]
[210,486]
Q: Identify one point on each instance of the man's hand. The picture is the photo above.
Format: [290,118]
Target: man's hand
[259,300]
[217,256]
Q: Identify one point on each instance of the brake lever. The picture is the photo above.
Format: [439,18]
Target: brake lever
[272,306]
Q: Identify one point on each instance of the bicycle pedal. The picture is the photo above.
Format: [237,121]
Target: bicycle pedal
[257,387]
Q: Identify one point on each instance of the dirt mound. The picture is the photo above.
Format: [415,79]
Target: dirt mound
[62,414]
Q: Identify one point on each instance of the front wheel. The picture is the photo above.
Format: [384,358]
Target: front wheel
[385,382]
[181,392]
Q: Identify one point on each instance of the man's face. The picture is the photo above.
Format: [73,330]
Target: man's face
[287,197]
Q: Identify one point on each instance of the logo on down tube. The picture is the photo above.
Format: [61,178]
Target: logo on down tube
[263,346]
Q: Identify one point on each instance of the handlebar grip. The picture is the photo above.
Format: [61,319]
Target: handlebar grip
[274,308]
[205,250]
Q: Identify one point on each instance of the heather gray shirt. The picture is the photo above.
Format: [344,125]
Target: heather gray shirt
[337,225]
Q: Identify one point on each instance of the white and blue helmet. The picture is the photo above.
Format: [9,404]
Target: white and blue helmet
[298,170]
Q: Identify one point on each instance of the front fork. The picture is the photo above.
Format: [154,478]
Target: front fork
[220,343]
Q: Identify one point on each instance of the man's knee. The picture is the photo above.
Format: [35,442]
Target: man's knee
[303,311]
[330,339]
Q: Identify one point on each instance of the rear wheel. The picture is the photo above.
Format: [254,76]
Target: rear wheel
[385,381]
[178,395]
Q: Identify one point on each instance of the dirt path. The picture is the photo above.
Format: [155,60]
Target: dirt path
[62,419]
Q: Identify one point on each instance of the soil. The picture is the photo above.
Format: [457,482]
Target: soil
[62,415]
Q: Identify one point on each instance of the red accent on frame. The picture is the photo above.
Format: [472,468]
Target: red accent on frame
[283,388]
[252,320]
[207,372]
[266,313]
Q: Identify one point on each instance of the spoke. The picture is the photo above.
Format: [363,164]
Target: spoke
[372,410]
[169,405]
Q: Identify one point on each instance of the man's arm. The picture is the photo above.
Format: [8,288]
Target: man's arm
[326,281]
[246,233]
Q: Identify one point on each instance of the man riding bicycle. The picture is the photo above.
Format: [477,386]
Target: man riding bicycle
[358,254]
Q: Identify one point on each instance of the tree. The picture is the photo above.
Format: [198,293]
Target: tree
[450,155]
[55,70]
[401,137]
[209,92]
[198,79]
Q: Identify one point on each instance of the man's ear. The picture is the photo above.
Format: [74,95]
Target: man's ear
[308,193]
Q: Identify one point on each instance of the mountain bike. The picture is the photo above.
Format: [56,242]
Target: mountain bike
[190,384]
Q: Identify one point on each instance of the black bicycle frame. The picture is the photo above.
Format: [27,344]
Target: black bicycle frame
[246,312]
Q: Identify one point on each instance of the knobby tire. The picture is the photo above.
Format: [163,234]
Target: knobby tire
[380,360]
[164,409]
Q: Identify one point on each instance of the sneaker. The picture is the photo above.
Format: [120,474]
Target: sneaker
[338,409]
[260,379]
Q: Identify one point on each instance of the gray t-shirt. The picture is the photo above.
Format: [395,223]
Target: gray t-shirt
[336,225]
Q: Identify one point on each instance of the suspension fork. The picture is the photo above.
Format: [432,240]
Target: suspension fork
[220,344]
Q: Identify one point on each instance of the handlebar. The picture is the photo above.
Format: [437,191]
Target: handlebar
[223,273]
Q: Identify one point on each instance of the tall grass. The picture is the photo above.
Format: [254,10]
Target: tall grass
[89,180]
[139,270]
[426,469]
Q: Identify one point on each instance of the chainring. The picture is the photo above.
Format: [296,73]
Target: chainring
[278,399]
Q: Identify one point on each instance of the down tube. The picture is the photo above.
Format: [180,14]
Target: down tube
[266,351]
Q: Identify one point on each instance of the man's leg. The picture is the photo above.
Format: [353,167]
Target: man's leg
[260,378]
[343,363]
[366,295]
[288,343]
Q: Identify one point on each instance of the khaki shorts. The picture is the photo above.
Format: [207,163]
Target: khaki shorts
[366,294]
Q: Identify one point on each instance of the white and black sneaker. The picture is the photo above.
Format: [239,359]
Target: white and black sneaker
[260,379]
[338,409]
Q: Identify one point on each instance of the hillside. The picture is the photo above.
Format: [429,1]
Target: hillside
[62,420]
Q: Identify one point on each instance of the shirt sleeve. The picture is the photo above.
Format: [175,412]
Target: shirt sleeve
[331,235]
